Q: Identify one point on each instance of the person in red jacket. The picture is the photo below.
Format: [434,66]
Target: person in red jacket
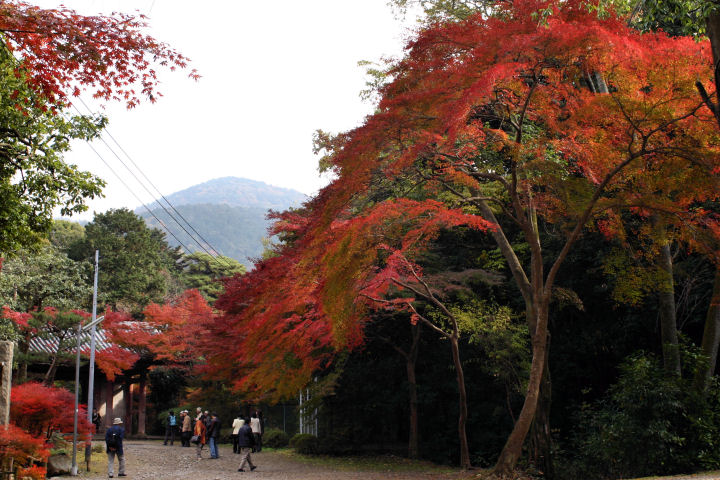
[200,432]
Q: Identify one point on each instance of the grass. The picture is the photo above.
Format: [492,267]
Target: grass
[696,475]
[374,463]
[98,460]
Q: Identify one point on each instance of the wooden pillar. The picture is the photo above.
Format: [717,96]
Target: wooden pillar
[141,405]
[6,361]
[109,403]
[127,396]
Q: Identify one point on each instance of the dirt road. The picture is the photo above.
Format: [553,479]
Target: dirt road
[153,460]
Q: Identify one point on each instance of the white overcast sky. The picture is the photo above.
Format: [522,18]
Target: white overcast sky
[272,73]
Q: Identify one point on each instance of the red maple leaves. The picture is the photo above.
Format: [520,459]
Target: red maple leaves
[62,53]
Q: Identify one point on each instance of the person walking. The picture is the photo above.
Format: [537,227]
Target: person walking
[186,432]
[96,420]
[214,435]
[170,428]
[246,440]
[114,446]
[237,423]
[257,431]
[200,432]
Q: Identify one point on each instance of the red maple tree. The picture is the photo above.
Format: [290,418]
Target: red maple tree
[61,53]
[542,113]
[22,447]
[41,410]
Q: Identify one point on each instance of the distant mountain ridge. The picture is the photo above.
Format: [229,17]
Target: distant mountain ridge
[228,212]
[237,192]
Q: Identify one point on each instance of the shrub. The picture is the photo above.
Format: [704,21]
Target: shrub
[22,447]
[34,407]
[334,445]
[34,472]
[304,443]
[275,438]
[650,422]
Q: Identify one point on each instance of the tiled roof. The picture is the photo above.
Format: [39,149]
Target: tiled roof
[49,344]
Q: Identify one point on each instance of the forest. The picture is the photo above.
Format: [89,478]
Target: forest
[513,268]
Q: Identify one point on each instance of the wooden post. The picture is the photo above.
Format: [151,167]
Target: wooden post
[109,403]
[141,405]
[127,395]
[6,359]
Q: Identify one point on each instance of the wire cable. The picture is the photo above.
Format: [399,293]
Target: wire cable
[132,192]
[212,247]
[200,244]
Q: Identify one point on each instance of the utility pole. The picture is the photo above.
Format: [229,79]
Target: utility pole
[90,326]
[74,468]
[91,379]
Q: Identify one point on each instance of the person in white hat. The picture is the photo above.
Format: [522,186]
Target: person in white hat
[114,443]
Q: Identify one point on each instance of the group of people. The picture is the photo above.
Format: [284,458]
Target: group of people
[205,432]
[246,436]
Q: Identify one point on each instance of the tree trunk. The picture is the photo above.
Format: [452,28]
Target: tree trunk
[540,434]
[23,348]
[411,361]
[50,374]
[513,447]
[668,322]
[141,405]
[462,418]
[713,33]
[711,337]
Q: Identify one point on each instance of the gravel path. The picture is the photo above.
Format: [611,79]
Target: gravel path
[153,460]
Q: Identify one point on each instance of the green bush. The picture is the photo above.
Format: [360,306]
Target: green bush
[275,438]
[304,443]
[650,422]
[334,445]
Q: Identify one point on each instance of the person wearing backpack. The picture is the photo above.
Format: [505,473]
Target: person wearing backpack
[114,443]
[170,428]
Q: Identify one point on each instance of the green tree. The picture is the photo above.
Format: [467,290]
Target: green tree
[34,179]
[33,280]
[204,272]
[136,262]
[64,234]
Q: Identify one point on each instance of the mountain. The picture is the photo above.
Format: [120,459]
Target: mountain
[229,213]
[237,192]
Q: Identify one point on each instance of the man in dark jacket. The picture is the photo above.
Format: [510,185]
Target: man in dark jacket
[246,440]
[213,434]
[114,443]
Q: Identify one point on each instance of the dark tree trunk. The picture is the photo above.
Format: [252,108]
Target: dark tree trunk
[711,337]
[23,348]
[713,32]
[462,398]
[411,361]
[512,450]
[668,321]
[52,369]
[540,434]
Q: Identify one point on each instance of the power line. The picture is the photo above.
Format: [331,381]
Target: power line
[133,193]
[200,244]
[158,191]
[227,264]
